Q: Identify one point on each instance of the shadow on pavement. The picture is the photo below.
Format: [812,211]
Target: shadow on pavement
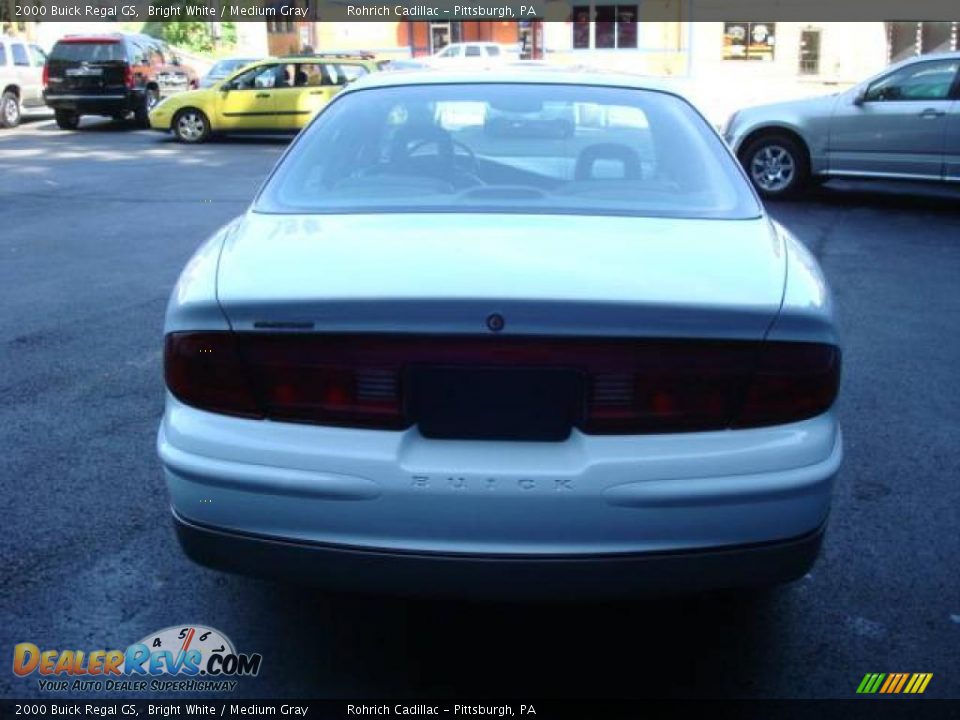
[883,195]
[699,645]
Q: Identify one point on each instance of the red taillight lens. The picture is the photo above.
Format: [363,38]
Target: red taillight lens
[46,74]
[793,381]
[630,386]
[205,370]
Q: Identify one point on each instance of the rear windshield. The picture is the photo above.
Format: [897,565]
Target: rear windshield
[88,52]
[528,148]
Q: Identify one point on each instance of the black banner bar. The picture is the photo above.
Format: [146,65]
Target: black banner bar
[442,10]
[527,709]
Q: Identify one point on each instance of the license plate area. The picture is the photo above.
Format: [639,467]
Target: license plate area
[495,403]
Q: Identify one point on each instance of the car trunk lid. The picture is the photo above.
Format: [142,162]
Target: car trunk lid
[537,274]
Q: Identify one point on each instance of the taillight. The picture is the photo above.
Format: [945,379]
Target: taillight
[46,74]
[629,386]
[205,370]
[128,78]
[792,381]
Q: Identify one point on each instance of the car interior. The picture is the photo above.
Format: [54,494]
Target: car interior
[611,155]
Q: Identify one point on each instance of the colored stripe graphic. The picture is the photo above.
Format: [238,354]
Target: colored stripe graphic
[918,683]
[894,683]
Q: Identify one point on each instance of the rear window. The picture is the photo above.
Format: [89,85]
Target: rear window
[88,52]
[527,148]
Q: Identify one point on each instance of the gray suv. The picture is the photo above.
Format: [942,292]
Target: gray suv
[21,79]
[903,123]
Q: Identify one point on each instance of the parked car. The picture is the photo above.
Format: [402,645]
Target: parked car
[21,79]
[472,55]
[902,123]
[112,75]
[272,95]
[433,360]
[224,68]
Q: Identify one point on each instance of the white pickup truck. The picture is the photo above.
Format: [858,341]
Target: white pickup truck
[21,79]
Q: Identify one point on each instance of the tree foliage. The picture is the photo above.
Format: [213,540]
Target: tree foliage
[195,36]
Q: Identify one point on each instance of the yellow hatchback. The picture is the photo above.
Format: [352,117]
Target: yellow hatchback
[272,95]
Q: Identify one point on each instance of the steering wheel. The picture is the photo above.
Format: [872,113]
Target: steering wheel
[470,168]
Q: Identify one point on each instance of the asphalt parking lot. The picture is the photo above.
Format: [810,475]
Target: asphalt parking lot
[95,226]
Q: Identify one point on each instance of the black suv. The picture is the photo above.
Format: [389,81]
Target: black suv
[112,75]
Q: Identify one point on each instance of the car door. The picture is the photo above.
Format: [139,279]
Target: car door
[248,101]
[28,77]
[897,125]
[951,145]
[297,85]
[38,58]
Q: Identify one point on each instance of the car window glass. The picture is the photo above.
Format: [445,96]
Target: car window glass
[137,53]
[88,52]
[284,76]
[347,73]
[452,51]
[493,50]
[20,55]
[473,51]
[39,56]
[3,54]
[922,81]
[511,148]
[262,76]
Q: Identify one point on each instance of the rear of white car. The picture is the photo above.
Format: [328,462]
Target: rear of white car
[434,378]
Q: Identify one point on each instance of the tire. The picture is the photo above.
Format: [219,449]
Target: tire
[67,120]
[119,117]
[9,110]
[191,126]
[142,114]
[777,165]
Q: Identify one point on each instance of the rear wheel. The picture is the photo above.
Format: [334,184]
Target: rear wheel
[67,120]
[9,110]
[142,114]
[778,165]
[191,126]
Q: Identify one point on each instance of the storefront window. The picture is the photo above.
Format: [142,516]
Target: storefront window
[615,26]
[749,41]
[581,27]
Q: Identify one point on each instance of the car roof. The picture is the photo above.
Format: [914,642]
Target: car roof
[519,73]
[319,57]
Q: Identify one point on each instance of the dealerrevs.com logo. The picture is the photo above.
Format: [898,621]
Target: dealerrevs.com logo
[182,658]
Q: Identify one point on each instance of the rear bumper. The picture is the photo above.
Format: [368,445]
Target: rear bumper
[109,104]
[499,578]
[394,510]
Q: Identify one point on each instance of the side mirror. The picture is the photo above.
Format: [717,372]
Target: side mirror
[227,87]
[860,96]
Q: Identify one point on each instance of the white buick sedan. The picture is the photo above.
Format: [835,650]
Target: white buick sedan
[450,349]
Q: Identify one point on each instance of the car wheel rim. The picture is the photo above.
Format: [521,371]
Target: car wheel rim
[190,126]
[10,111]
[772,168]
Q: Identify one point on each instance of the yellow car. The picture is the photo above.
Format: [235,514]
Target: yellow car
[272,95]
